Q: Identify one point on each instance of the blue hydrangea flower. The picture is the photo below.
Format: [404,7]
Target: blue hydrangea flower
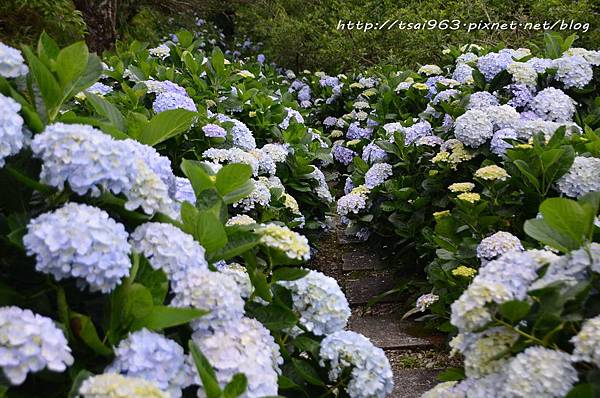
[162,51]
[214,131]
[353,202]
[582,177]
[356,132]
[165,86]
[463,73]
[371,374]
[240,133]
[153,357]
[372,153]
[243,346]
[233,155]
[498,145]
[493,63]
[30,343]
[184,190]
[498,244]
[343,155]
[260,58]
[168,248]
[377,174]
[553,105]
[322,189]
[168,101]
[318,299]
[80,241]
[473,128]
[211,291]
[482,99]
[330,121]
[574,71]
[291,114]
[11,128]
[416,131]
[522,95]
[12,63]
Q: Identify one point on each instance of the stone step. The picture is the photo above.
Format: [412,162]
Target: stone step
[389,332]
[412,383]
[362,289]
[360,258]
[344,239]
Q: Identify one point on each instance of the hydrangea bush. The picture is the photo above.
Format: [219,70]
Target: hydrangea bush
[153,225]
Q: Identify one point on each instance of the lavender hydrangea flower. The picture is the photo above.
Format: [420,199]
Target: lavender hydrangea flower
[164,86]
[582,177]
[498,244]
[291,114]
[318,299]
[416,131]
[353,202]
[498,145]
[372,153]
[343,155]
[329,121]
[493,63]
[522,95]
[377,174]
[587,342]
[244,346]
[12,63]
[153,357]
[553,105]
[211,291]
[463,73]
[30,343]
[184,191]
[214,131]
[82,242]
[168,248]
[473,128]
[574,71]
[371,374]
[168,101]
[356,132]
[241,135]
[11,128]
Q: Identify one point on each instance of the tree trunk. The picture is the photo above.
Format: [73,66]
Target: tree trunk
[101,19]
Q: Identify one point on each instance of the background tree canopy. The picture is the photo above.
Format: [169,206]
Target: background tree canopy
[300,34]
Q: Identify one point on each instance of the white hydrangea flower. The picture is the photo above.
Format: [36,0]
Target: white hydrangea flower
[371,375]
[211,291]
[244,346]
[266,164]
[527,129]
[353,202]
[29,343]
[587,342]
[168,248]
[593,57]
[12,63]
[497,244]
[571,268]
[153,357]
[112,385]
[90,160]
[162,51]
[11,127]
[502,116]
[540,372]
[240,276]
[574,71]
[523,73]
[277,152]
[554,105]
[260,196]
[473,128]
[430,70]
[425,301]
[241,219]
[318,299]
[82,242]
[377,174]
[294,245]
[583,177]
[322,189]
[232,155]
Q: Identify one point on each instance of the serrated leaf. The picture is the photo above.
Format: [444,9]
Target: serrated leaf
[167,124]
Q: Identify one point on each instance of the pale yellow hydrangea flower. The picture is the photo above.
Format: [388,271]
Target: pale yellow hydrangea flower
[461,187]
[492,173]
[464,271]
[470,197]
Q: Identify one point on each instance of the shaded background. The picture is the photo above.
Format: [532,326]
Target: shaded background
[298,34]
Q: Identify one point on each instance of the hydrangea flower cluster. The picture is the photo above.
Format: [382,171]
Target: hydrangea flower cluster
[112,385]
[239,274]
[342,154]
[482,100]
[153,357]
[241,136]
[573,71]
[498,144]
[184,192]
[318,299]
[425,301]
[277,152]
[82,242]
[291,114]
[372,153]
[553,105]
[582,177]
[244,346]
[492,173]
[12,138]
[498,244]
[322,189]
[587,342]
[260,196]
[416,131]
[168,248]
[473,128]
[214,131]
[278,237]
[377,174]
[90,160]
[371,374]
[232,155]
[29,343]
[212,291]
[168,101]
[162,51]
[353,202]
[12,63]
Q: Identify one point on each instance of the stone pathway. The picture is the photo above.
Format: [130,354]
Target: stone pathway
[416,358]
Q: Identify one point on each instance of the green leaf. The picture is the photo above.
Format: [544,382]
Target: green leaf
[526,171]
[541,231]
[77,381]
[307,371]
[71,62]
[83,327]
[236,387]
[47,49]
[210,231]
[584,391]
[167,124]
[206,372]
[288,274]
[306,344]
[452,374]
[515,310]
[89,76]
[106,109]
[49,87]
[274,316]
[233,182]
[155,280]
[162,317]
[238,242]
[567,217]
[197,175]
[217,61]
